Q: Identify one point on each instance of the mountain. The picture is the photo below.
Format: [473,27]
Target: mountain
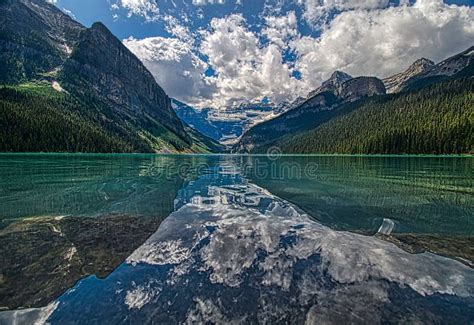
[333,83]
[96,81]
[315,110]
[35,38]
[432,114]
[424,71]
[437,119]
[452,65]
[228,124]
[397,82]
[197,119]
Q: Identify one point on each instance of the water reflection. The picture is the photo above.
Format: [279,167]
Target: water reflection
[421,195]
[64,217]
[232,252]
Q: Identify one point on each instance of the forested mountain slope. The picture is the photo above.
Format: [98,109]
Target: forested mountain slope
[438,119]
[98,83]
[33,119]
[430,111]
[318,109]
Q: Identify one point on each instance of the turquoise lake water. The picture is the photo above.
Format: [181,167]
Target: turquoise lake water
[250,239]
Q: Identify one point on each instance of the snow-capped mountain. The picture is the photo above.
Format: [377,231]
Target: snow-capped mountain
[227,125]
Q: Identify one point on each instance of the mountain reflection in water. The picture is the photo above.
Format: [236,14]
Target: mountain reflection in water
[232,252]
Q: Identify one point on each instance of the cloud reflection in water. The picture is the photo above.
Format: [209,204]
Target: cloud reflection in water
[232,253]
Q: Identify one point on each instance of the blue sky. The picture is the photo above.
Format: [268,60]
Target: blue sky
[214,53]
[90,11]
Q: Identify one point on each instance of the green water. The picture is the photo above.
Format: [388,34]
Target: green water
[420,194]
[228,239]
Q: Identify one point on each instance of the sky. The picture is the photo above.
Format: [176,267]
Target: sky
[222,53]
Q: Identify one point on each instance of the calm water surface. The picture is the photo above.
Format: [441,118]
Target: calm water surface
[236,239]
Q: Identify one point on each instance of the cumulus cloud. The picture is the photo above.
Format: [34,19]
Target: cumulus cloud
[245,69]
[175,67]
[385,41]
[249,62]
[279,30]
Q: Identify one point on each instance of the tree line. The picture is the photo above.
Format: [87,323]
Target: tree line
[438,119]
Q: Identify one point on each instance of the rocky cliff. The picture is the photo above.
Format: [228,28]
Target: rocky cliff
[397,82]
[35,38]
[118,77]
[333,83]
[109,87]
[360,87]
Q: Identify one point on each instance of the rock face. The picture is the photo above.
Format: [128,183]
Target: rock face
[453,65]
[35,37]
[114,90]
[333,83]
[117,76]
[314,111]
[395,83]
[357,88]
[425,71]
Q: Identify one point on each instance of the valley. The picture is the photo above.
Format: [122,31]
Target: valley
[85,81]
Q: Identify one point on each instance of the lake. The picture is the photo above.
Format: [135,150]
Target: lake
[98,239]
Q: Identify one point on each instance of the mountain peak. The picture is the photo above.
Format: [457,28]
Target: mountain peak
[120,79]
[396,83]
[98,26]
[337,79]
[339,75]
[422,64]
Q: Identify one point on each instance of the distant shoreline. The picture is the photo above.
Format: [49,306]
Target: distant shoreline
[236,154]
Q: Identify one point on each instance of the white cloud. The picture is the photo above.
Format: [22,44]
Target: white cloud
[175,67]
[178,30]
[207,2]
[317,10]
[279,30]
[146,8]
[248,61]
[385,41]
[246,70]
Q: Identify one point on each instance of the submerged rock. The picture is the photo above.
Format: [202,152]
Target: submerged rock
[460,248]
[40,258]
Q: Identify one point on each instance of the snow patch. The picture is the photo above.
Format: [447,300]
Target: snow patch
[34,316]
[56,86]
[70,253]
